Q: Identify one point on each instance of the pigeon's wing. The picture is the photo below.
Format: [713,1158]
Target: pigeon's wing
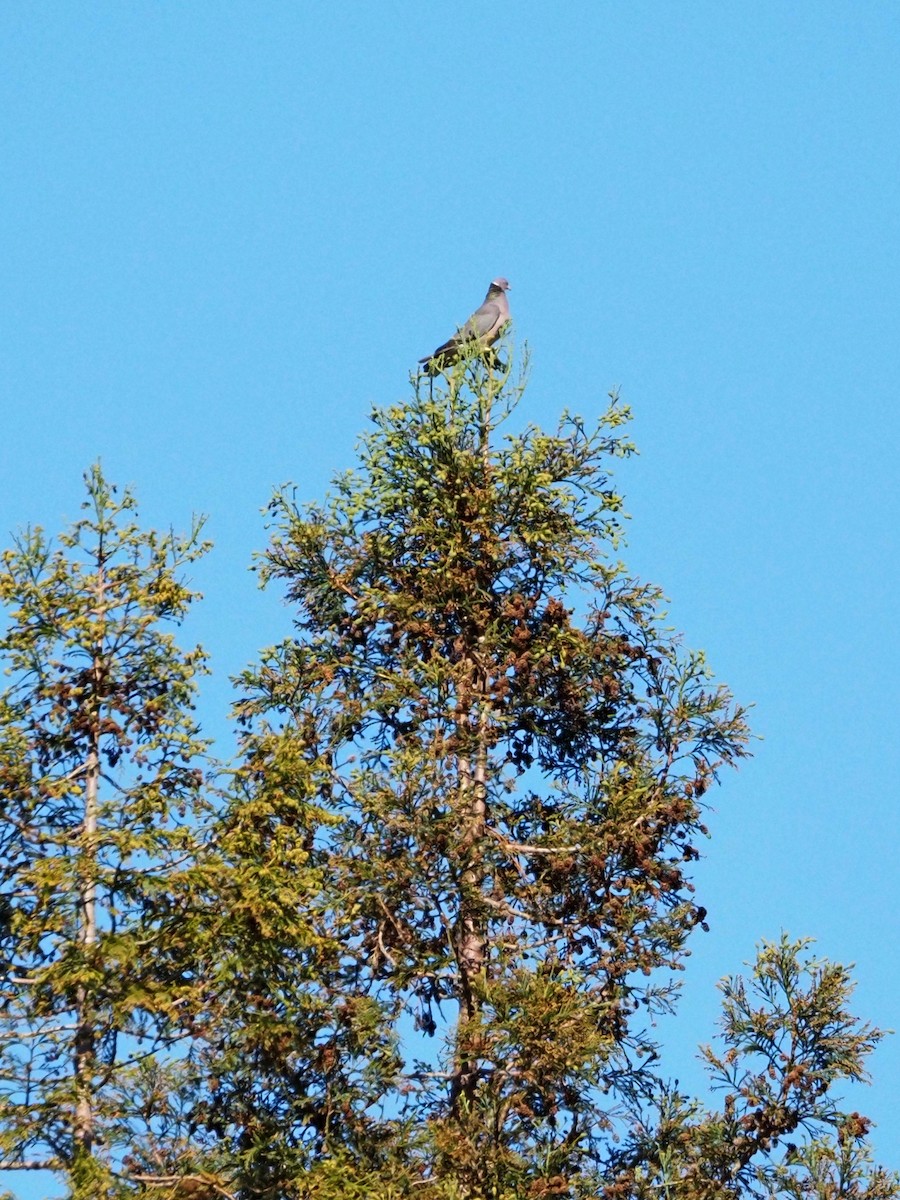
[483,322]
[479,325]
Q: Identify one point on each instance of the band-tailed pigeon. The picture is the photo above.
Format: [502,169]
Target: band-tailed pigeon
[483,328]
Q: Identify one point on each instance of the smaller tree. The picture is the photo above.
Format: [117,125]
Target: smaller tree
[788,1041]
[102,786]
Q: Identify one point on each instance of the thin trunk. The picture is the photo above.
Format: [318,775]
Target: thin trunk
[471,941]
[471,945]
[473,789]
[83,1132]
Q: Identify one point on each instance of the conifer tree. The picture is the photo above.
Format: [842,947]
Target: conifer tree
[102,788]
[488,755]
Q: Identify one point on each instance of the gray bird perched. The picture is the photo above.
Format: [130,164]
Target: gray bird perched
[482,328]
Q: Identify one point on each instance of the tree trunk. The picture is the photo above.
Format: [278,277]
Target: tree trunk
[83,1130]
[471,939]
[471,943]
[83,1133]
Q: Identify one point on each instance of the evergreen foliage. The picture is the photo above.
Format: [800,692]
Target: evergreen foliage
[419,949]
[488,753]
[102,785]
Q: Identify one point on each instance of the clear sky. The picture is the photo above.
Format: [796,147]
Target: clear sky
[226,230]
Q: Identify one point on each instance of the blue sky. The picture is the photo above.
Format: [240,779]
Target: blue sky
[227,230]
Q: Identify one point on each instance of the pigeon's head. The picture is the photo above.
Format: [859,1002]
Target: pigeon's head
[501,284]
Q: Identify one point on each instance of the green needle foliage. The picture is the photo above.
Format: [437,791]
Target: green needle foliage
[496,752]
[490,754]
[418,951]
[787,1039]
[101,786]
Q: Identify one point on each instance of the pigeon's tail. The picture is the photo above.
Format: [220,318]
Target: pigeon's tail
[440,359]
[446,356]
